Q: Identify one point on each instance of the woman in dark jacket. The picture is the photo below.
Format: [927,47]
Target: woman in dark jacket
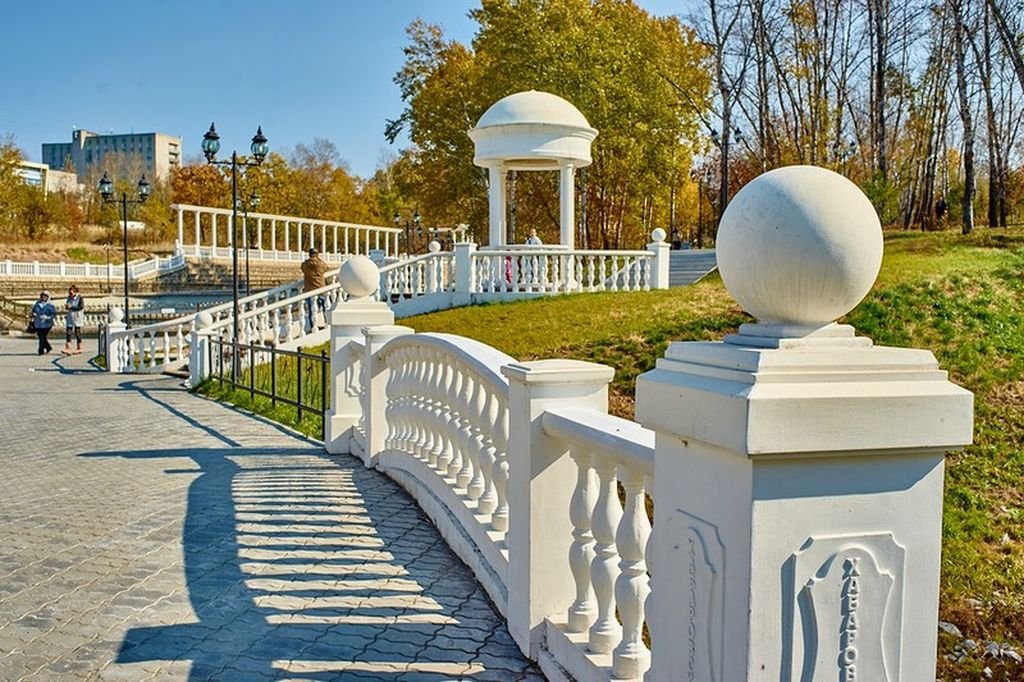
[43,313]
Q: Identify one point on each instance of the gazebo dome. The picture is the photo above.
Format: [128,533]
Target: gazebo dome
[532,130]
[533,106]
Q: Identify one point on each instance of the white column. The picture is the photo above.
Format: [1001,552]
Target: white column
[347,321]
[299,231]
[323,239]
[567,204]
[540,488]
[213,235]
[287,236]
[181,226]
[335,239]
[273,234]
[259,233]
[496,193]
[199,233]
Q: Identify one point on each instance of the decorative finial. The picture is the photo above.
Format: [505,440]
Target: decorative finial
[799,246]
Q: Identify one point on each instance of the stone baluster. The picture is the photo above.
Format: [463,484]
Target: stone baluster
[499,519]
[455,433]
[488,501]
[445,417]
[179,341]
[583,611]
[166,346]
[606,631]
[477,405]
[152,348]
[465,475]
[631,657]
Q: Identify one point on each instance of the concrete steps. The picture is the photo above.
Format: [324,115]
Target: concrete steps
[690,266]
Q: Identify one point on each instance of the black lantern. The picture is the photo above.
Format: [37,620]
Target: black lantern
[259,146]
[106,187]
[143,189]
[211,143]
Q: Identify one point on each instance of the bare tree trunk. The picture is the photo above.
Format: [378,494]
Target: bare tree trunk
[960,53]
[878,11]
[1009,39]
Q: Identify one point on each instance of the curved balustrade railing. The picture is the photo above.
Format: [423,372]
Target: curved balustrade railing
[445,419]
[447,406]
[553,271]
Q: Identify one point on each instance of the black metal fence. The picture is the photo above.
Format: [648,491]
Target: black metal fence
[283,377]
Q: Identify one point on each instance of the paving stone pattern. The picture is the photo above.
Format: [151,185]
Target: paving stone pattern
[149,534]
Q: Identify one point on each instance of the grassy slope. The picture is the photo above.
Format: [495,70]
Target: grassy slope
[961,297]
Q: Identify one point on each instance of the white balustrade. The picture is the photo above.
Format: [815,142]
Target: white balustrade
[286,243]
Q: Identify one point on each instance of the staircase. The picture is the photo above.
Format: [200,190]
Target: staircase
[690,266]
[207,275]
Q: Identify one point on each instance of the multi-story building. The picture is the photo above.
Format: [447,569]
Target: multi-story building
[154,154]
[42,176]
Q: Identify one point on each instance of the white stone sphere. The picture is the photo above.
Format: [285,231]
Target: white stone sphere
[115,315]
[658,234]
[799,245]
[434,246]
[204,319]
[359,276]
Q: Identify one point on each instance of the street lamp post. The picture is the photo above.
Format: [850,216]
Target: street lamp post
[408,228]
[259,149]
[106,188]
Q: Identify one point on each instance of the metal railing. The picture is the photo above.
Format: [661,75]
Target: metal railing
[286,377]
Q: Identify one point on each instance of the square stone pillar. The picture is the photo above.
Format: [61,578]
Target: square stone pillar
[798,506]
[348,318]
[465,284]
[541,483]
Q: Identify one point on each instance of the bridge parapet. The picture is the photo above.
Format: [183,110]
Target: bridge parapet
[795,470]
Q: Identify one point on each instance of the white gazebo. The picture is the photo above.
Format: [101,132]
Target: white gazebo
[532,131]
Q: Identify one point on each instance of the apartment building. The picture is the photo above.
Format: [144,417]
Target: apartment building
[154,154]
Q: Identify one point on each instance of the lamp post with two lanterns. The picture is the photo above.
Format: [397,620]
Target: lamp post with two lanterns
[106,187]
[414,226]
[259,149]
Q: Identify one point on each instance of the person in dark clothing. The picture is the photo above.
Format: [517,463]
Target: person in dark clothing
[43,314]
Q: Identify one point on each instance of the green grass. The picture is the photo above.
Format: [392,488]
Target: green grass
[285,382]
[961,297]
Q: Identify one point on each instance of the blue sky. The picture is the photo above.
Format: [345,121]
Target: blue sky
[301,69]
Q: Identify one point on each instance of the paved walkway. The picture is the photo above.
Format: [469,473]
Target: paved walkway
[146,533]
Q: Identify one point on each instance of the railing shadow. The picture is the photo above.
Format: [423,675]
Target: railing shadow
[298,564]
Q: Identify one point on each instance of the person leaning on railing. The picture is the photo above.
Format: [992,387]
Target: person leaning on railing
[313,270]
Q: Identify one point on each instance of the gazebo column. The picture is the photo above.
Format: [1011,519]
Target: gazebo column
[567,207]
[497,203]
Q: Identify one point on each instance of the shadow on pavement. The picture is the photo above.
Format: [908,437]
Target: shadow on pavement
[303,565]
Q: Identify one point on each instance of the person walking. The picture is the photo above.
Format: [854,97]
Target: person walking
[74,319]
[313,269]
[43,314]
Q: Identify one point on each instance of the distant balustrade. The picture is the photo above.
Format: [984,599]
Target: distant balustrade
[206,233]
[137,270]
